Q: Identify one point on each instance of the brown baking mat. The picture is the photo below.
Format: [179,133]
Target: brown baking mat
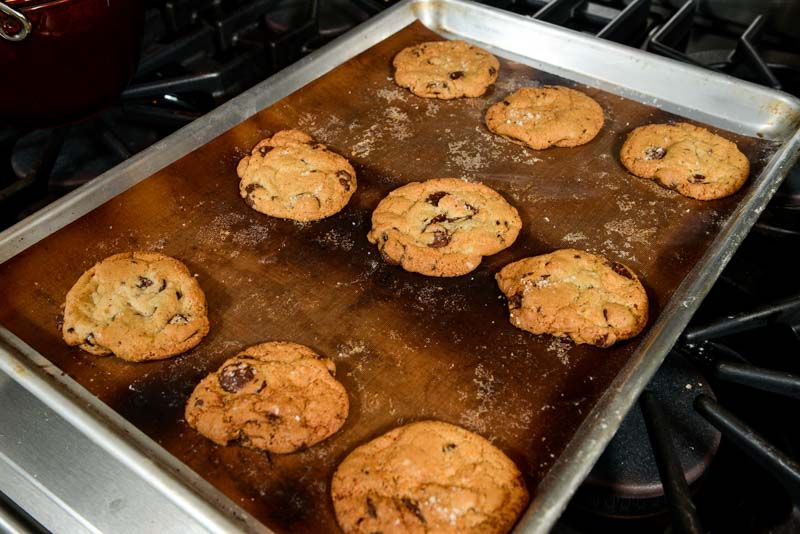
[407,347]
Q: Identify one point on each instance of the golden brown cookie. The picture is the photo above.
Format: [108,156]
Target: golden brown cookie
[277,396]
[445,69]
[428,477]
[542,117]
[136,305]
[577,294]
[291,177]
[443,227]
[689,159]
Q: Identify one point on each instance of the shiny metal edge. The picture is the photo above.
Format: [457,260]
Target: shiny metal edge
[775,117]
[688,90]
[604,419]
[123,441]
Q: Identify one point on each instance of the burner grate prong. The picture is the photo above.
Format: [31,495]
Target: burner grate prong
[778,464]
[630,23]
[676,489]
[746,50]
[783,312]
[786,384]
[673,36]
[559,11]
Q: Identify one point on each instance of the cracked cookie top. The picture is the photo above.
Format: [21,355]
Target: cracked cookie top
[428,477]
[543,117]
[291,177]
[577,294]
[443,227]
[445,69]
[689,159]
[136,305]
[279,397]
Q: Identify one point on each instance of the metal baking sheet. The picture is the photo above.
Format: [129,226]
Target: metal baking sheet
[407,347]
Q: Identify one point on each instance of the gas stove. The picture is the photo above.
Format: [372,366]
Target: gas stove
[710,447]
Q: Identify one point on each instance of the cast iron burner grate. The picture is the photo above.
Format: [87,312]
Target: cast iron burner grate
[196,55]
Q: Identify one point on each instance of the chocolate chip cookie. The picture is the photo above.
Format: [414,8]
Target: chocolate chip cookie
[443,227]
[137,306]
[291,177]
[689,159]
[577,294]
[428,477]
[543,117]
[277,396]
[445,69]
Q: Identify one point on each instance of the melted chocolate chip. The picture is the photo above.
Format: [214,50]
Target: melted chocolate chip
[506,102]
[440,239]
[262,387]
[601,341]
[199,402]
[698,179]
[456,75]
[654,152]
[371,510]
[344,179]
[71,330]
[412,505]
[577,256]
[492,71]
[179,319]
[236,376]
[515,301]
[163,286]
[251,187]
[448,447]
[605,314]
[144,282]
[178,295]
[439,218]
[621,270]
[434,198]
[471,208]
[90,340]
[273,418]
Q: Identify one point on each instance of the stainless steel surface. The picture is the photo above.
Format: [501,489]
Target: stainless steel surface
[25,24]
[678,88]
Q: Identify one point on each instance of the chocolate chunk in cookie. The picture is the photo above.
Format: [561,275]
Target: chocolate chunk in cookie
[443,227]
[689,159]
[136,305]
[290,176]
[577,294]
[279,397]
[445,69]
[428,477]
[543,117]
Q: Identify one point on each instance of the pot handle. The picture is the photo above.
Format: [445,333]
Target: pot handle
[24,24]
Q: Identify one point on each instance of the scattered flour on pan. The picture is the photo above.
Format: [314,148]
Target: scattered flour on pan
[631,231]
[335,238]
[327,130]
[574,237]
[464,158]
[431,108]
[392,95]
[560,346]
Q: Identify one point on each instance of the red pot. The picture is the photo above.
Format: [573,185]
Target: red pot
[63,59]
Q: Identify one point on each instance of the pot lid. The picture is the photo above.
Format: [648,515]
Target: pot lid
[21,4]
